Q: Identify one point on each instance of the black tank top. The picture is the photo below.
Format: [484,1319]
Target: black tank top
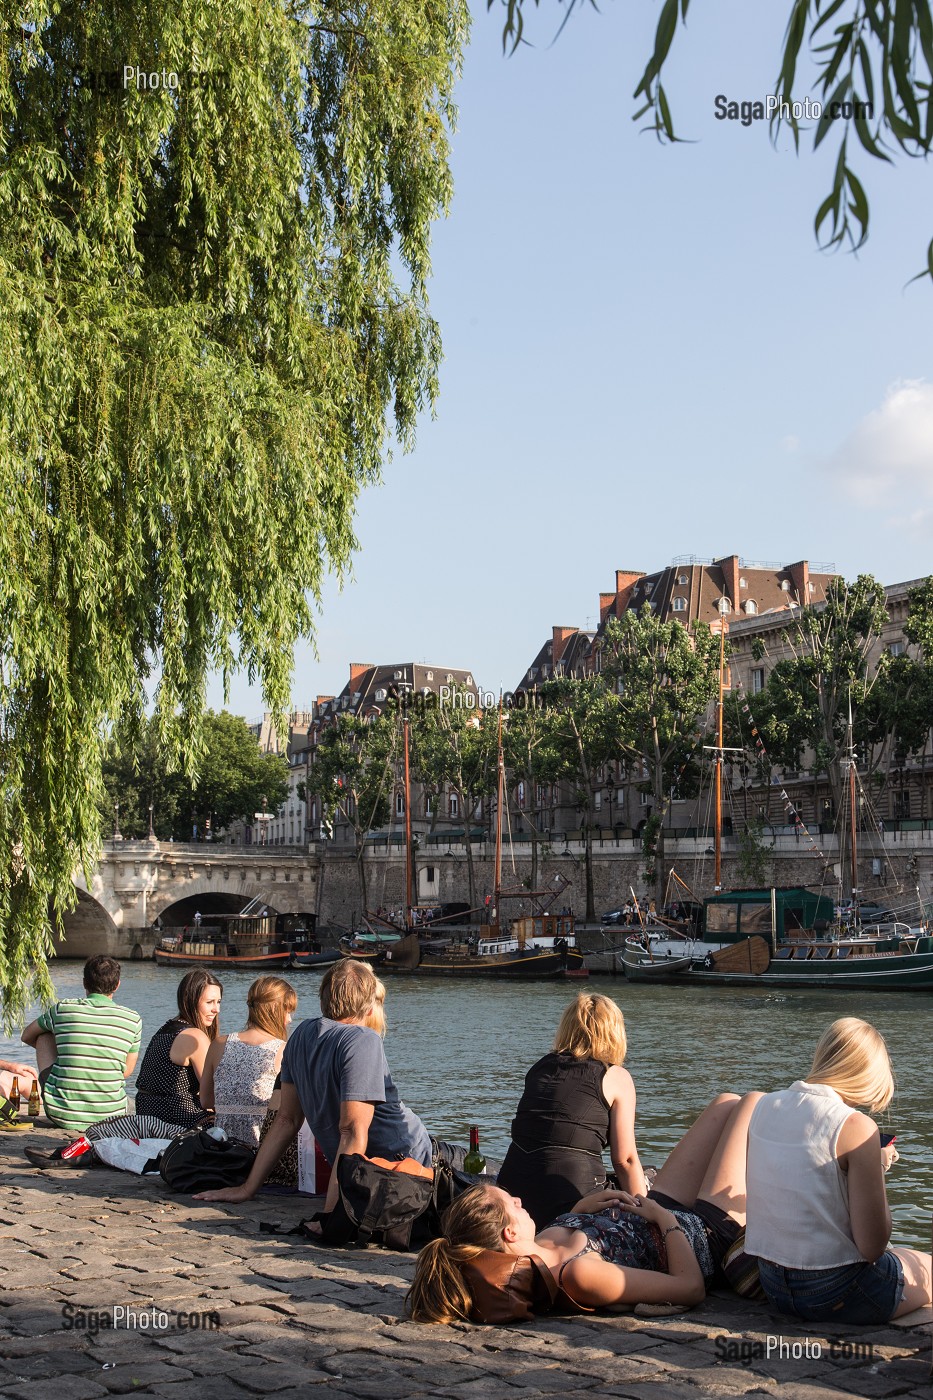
[563,1106]
[164,1089]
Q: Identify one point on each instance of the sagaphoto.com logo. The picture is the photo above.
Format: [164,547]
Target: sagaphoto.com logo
[135,77]
[775,109]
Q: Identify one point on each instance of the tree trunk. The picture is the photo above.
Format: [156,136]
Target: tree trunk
[588,871]
[361,868]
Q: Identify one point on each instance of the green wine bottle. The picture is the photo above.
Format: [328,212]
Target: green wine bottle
[474,1162]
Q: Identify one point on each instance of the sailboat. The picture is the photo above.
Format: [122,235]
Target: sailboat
[535,945]
[786,937]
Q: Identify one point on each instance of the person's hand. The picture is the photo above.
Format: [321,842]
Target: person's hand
[889,1155]
[234,1195]
[648,1210]
[599,1200]
[21,1071]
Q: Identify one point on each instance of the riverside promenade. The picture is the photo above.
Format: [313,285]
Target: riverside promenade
[109,1284]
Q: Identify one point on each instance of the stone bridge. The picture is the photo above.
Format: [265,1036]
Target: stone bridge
[138,882]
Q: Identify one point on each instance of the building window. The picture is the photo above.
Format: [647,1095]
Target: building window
[427,806]
[751,607]
[399,804]
[454,807]
[430,675]
[743,582]
[785,585]
[598,800]
[901,802]
[429,875]
[679,604]
[897,648]
[723,605]
[682,579]
[758,680]
[520,794]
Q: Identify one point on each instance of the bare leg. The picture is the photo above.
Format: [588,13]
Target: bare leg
[724,1182]
[685,1169]
[46,1051]
[917,1281]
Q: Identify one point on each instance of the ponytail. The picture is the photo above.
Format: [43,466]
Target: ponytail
[439,1293]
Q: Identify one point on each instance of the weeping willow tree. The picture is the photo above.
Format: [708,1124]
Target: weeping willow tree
[214,248]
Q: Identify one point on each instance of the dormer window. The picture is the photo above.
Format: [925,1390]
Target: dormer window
[679,604]
[380,696]
[751,607]
[430,675]
[399,675]
[743,582]
[723,605]
[785,585]
[682,580]
[450,678]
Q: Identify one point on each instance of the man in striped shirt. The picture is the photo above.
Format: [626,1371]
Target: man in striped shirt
[85,1049]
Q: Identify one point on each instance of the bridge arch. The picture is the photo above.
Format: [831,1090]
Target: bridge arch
[89,928]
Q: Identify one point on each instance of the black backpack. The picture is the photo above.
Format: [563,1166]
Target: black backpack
[195,1161]
[395,1204]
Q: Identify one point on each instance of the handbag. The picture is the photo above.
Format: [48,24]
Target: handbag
[381,1202]
[513,1288]
[197,1161]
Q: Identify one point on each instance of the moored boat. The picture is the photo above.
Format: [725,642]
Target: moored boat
[252,943]
[535,946]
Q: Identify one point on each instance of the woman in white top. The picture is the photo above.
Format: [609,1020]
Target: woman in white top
[818,1216]
[241,1068]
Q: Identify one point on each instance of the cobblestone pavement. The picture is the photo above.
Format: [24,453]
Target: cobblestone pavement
[235,1309]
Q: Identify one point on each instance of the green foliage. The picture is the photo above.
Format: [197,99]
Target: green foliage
[754,852]
[665,680]
[804,708]
[233,780]
[513,29]
[214,320]
[877,57]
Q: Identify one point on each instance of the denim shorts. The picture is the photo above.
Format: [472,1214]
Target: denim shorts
[859,1293]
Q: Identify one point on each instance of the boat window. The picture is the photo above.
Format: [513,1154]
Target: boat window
[756,918]
[722,918]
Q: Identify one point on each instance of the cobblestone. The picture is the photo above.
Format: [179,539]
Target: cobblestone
[297,1320]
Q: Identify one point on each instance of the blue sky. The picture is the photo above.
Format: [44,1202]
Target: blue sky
[646,355]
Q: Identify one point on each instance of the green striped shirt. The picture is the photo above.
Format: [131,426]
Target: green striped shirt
[93,1039]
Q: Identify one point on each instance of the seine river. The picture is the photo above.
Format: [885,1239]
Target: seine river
[459,1052]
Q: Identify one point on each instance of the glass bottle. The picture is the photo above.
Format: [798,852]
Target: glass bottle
[35,1102]
[15,1099]
[474,1162]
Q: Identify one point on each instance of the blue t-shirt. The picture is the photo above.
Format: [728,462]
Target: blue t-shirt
[331,1063]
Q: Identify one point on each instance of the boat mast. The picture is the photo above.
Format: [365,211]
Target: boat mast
[717,830]
[852,821]
[409,902]
[500,792]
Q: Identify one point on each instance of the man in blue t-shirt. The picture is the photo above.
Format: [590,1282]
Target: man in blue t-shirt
[334,1073]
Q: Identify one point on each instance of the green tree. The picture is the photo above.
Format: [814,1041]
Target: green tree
[214,321]
[665,681]
[233,780]
[874,74]
[584,726]
[454,749]
[353,774]
[803,711]
[533,756]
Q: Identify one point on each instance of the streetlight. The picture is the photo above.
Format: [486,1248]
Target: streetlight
[117,834]
[152,835]
[263,818]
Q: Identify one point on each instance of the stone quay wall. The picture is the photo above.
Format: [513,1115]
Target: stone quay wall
[616,870]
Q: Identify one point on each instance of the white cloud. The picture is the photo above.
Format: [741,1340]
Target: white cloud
[888,457]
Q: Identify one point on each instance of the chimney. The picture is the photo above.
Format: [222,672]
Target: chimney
[730,576]
[606,602]
[357,669]
[626,580]
[559,639]
[800,582]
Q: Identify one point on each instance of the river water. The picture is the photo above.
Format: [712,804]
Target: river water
[459,1052]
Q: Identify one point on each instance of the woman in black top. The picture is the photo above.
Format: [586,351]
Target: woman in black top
[578,1100]
[170,1075]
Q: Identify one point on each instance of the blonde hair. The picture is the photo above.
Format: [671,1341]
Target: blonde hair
[592,1028]
[852,1058]
[376,1020]
[348,990]
[474,1222]
[269,1000]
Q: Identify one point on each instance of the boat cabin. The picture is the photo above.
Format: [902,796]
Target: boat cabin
[773,914]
